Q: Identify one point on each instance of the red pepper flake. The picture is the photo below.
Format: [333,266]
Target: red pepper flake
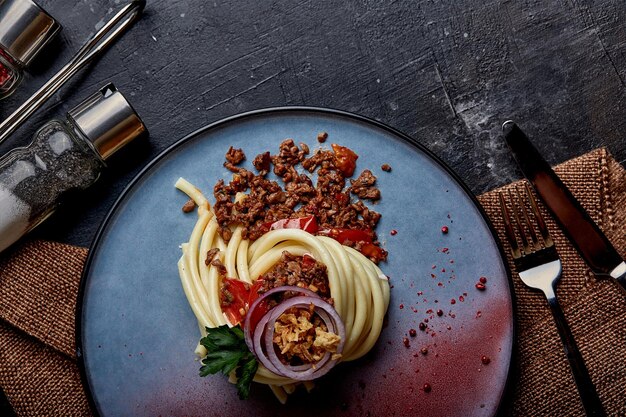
[453,301]
[427,387]
[480,286]
[485,360]
[461,298]
[393,232]
[401,306]
[445,250]
[444,230]
[433,267]
[479,314]
[422,326]
[386,167]
[406,342]
[483,280]
[433,276]
[424,350]
[443,270]
[412,332]
[440,312]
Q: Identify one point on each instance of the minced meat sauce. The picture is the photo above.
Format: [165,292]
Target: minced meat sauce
[328,200]
[300,271]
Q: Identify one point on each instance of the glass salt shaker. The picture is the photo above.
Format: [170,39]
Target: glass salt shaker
[64,155]
[25,29]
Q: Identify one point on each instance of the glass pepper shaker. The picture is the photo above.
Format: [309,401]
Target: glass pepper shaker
[25,28]
[64,155]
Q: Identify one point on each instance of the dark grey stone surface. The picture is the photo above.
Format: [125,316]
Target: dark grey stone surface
[446,72]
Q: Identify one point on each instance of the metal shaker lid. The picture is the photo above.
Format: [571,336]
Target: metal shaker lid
[108,120]
[25,28]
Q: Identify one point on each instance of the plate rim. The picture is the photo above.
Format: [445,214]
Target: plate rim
[78,330]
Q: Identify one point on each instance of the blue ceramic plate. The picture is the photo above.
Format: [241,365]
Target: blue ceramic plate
[136,333]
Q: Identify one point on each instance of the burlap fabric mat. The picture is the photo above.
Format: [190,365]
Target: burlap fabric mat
[39,282]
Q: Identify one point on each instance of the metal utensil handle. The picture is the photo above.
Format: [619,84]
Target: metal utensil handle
[92,48]
[586,389]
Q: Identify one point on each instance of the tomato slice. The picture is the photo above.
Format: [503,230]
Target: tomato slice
[357,236]
[308,224]
[260,309]
[353,235]
[373,252]
[308,261]
[237,296]
[345,159]
[234,296]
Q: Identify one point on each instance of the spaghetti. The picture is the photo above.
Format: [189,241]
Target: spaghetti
[359,291]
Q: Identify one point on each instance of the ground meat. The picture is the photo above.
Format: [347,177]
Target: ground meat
[262,163]
[322,136]
[386,167]
[210,255]
[267,201]
[363,186]
[221,269]
[189,206]
[235,156]
[299,271]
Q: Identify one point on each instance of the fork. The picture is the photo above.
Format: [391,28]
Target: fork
[538,265]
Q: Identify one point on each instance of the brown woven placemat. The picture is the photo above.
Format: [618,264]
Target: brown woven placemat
[39,282]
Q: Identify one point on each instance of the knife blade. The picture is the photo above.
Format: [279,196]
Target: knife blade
[578,226]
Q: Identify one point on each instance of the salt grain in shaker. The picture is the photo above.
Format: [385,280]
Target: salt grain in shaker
[64,155]
[25,28]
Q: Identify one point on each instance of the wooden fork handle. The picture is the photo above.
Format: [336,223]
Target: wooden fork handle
[588,394]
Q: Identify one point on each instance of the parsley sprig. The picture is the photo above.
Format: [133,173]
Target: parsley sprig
[227,352]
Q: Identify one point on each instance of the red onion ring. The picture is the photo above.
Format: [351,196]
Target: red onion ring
[247,331]
[260,340]
[325,364]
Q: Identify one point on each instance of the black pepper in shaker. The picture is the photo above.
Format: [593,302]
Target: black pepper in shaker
[25,29]
[64,155]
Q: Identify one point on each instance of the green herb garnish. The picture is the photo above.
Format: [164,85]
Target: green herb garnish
[227,352]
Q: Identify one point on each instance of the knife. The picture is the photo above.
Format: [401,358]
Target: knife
[589,240]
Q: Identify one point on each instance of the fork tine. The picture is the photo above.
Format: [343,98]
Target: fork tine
[543,229]
[522,233]
[534,240]
[508,228]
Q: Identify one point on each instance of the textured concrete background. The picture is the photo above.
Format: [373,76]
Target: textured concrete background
[446,72]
